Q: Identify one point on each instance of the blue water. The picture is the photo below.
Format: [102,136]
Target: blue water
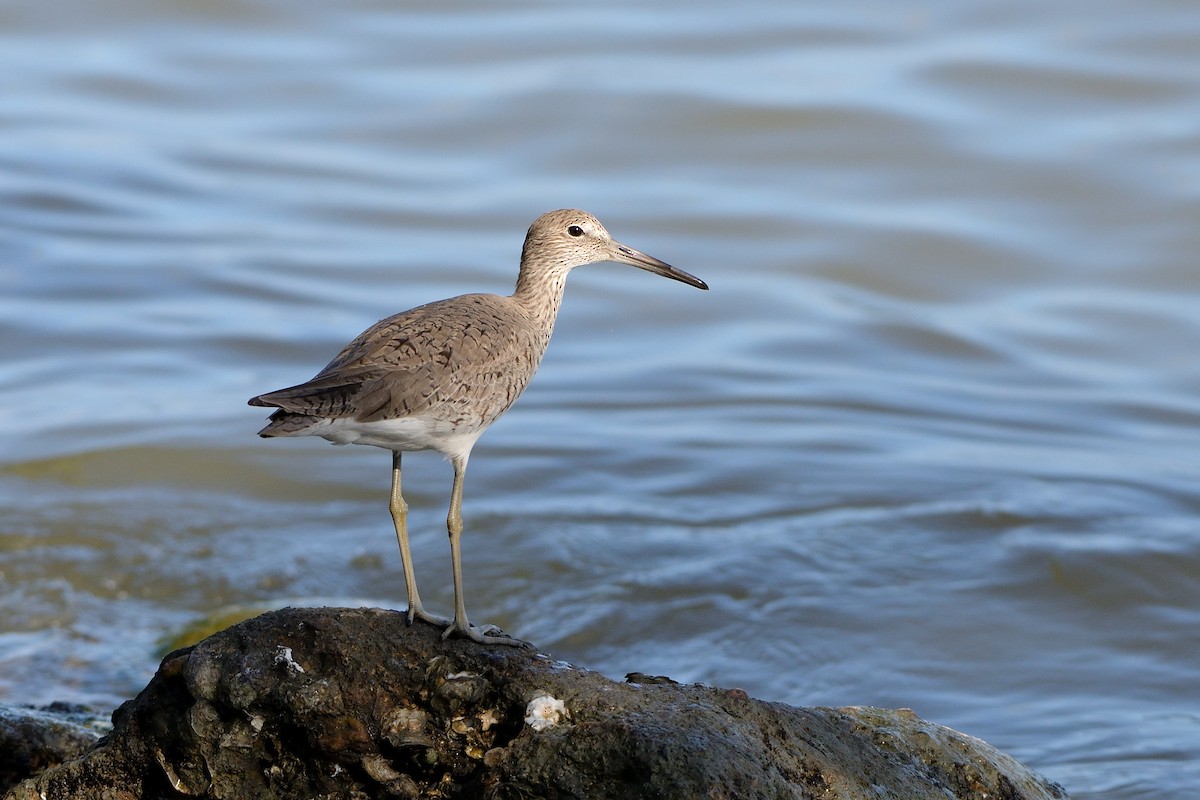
[930,441]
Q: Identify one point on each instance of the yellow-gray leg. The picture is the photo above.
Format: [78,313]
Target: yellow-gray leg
[399,510]
[460,626]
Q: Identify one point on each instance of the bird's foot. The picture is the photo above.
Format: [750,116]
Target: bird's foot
[415,612]
[488,634]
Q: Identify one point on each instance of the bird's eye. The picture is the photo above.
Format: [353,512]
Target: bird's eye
[575,230]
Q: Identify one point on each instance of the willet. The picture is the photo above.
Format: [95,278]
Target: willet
[435,377]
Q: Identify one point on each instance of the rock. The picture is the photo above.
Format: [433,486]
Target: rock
[33,739]
[354,703]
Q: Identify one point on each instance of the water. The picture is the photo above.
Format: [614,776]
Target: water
[930,441]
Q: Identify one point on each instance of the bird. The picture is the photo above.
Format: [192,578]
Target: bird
[437,376]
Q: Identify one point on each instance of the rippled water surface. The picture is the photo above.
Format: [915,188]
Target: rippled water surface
[930,441]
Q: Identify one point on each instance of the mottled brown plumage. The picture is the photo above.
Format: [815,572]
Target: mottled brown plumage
[465,360]
[435,377]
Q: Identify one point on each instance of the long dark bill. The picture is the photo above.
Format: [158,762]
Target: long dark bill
[636,258]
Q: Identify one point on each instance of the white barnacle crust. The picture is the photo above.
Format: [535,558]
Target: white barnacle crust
[283,658]
[545,711]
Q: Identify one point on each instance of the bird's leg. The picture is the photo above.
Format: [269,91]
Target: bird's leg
[454,525]
[399,510]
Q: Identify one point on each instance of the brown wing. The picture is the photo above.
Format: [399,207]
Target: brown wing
[470,349]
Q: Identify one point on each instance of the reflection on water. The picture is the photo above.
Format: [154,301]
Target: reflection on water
[930,441]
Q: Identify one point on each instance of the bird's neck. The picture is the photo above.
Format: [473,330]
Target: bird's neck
[540,294]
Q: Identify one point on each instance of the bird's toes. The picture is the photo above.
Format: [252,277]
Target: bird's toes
[488,634]
[425,616]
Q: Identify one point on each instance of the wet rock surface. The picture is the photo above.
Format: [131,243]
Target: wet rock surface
[353,703]
[32,739]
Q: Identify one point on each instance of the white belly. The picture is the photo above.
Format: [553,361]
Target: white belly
[405,434]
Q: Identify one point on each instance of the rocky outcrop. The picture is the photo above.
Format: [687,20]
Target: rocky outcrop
[33,739]
[354,703]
